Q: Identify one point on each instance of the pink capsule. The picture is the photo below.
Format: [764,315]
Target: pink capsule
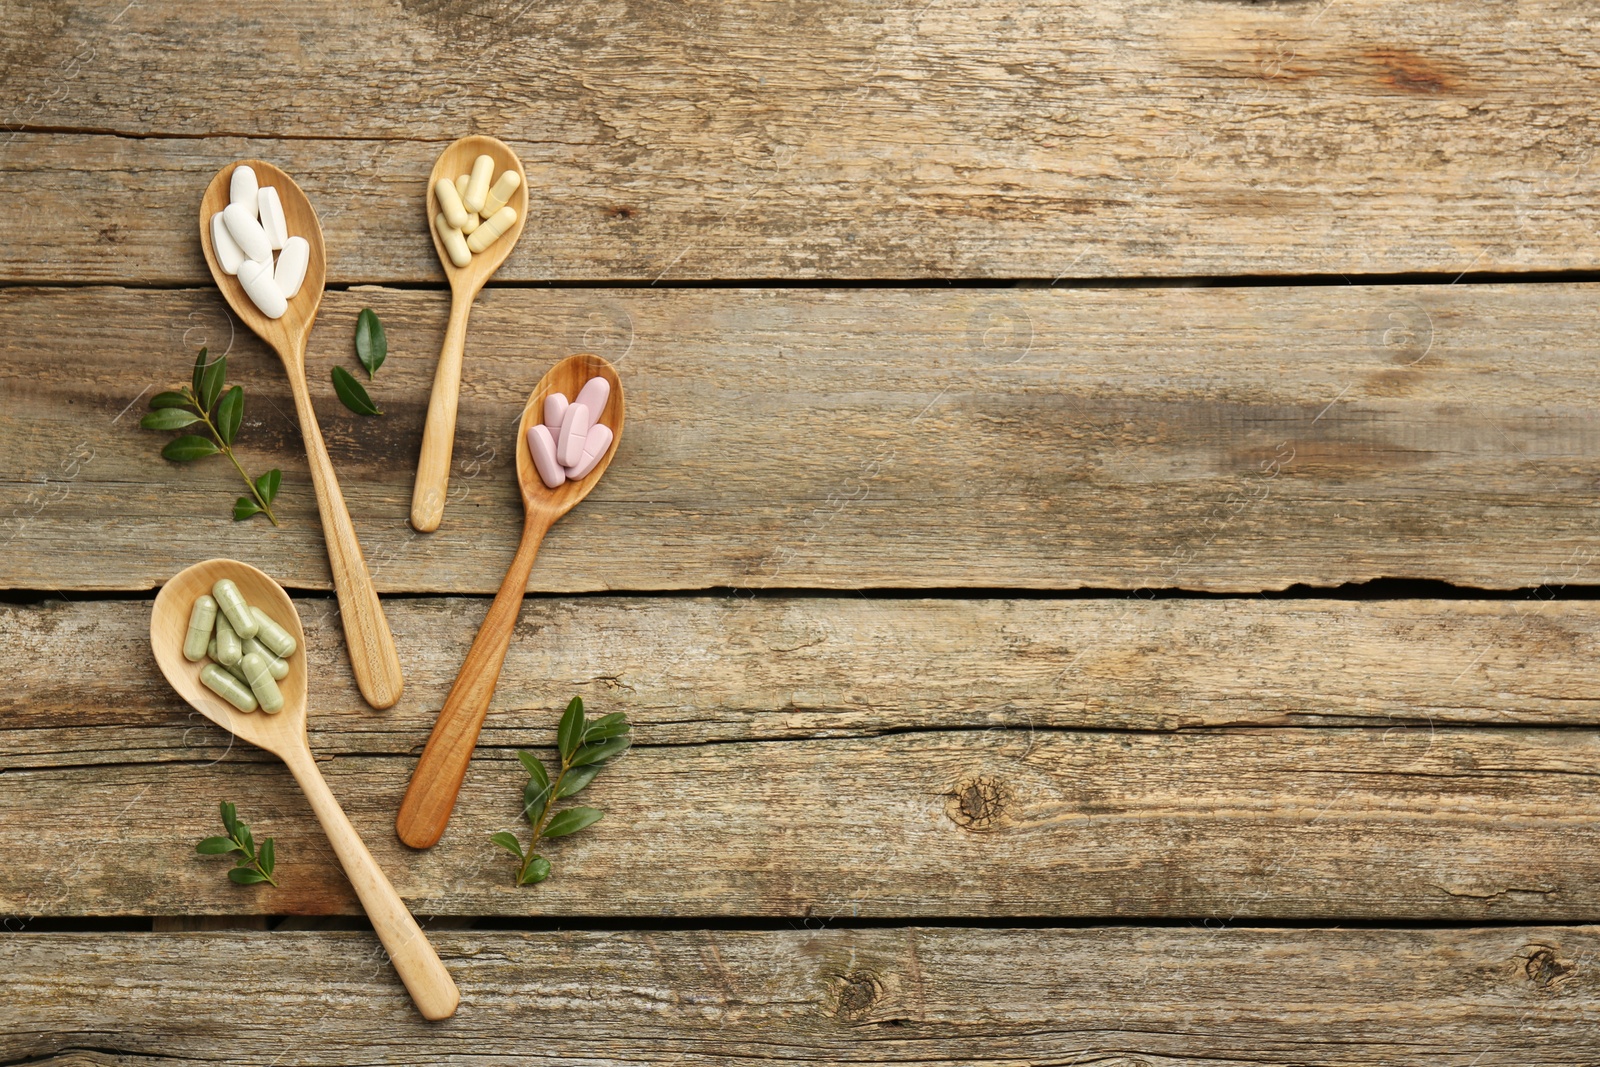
[594,394]
[574,428]
[594,448]
[555,408]
[543,447]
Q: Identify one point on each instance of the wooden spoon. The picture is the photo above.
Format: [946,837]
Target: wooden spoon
[284,735]
[366,631]
[425,811]
[439,432]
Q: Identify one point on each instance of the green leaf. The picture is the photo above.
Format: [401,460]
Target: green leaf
[571,821]
[534,799]
[215,846]
[230,814]
[599,753]
[211,382]
[537,871]
[352,394]
[267,484]
[243,508]
[576,779]
[269,855]
[169,399]
[199,371]
[534,767]
[372,346]
[613,725]
[230,413]
[570,733]
[188,447]
[169,419]
[508,841]
[246,841]
[246,876]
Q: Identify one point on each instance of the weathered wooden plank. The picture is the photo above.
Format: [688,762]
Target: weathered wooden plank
[1112,995]
[1425,822]
[1228,439]
[694,671]
[883,140]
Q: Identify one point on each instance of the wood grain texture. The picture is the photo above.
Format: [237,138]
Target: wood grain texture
[881,141]
[795,758]
[1121,996]
[1223,439]
[703,671]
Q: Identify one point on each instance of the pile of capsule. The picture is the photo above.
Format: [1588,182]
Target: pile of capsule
[247,646]
[472,214]
[247,232]
[572,439]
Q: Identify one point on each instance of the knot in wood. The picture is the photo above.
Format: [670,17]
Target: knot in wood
[1544,967]
[978,803]
[858,992]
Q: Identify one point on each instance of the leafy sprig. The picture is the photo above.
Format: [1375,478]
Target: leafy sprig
[372,348]
[220,411]
[585,745]
[250,866]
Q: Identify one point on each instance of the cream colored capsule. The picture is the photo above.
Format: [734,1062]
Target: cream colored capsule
[450,202]
[501,192]
[454,242]
[492,228]
[461,186]
[478,187]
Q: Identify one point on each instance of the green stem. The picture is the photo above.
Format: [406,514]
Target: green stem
[544,817]
[205,417]
[256,863]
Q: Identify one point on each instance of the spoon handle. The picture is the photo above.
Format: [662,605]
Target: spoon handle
[366,632]
[413,956]
[431,796]
[439,432]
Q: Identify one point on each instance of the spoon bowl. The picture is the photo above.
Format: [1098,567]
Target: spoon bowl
[283,734]
[431,796]
[439,432]
[372,653]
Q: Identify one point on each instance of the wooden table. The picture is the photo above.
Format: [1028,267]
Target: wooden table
[1101,563]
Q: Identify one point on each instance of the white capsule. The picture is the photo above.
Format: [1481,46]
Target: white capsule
[501,192]
[444,191]
[262,290]
[454,243]
[543,447]
[292,264]
[272,219]
[478,187]
[555,409]
[594,394]
[492,228]
[461,186]
[229,254]
[243,188]
[574,428]
[247,232]
[594,448]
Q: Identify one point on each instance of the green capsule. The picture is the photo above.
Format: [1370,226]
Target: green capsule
[201,618]
[276,667]
[229,648]
[227,687]
[276,639]
[233,605]
[235,669]
[261,683]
